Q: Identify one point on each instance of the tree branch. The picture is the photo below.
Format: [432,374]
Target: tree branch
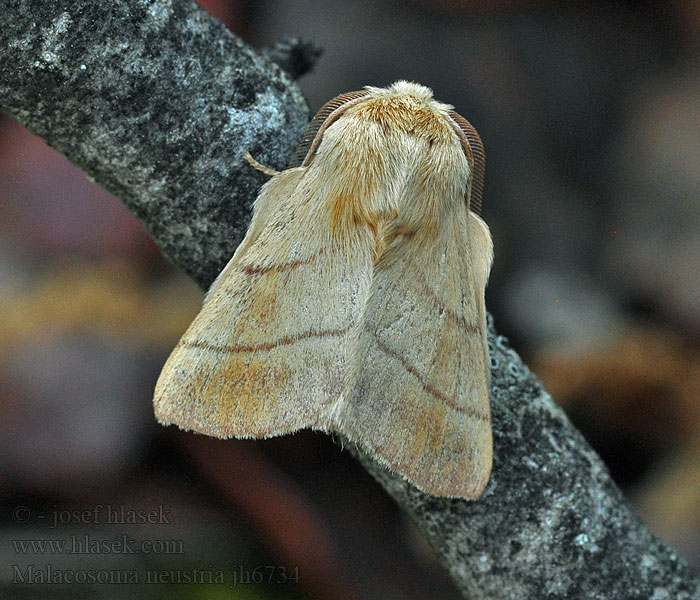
[293,55]
[158,103]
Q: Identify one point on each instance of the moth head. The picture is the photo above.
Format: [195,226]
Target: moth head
[332,110]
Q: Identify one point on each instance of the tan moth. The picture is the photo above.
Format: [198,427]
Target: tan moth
[355,303]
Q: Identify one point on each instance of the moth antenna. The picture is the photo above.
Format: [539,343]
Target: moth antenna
[257,166]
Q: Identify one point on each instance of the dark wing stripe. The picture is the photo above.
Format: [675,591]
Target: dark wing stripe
[458,320]
[264,346]
[469,411]
[262,269]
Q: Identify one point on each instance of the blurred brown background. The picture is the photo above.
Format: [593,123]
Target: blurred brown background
[590,116]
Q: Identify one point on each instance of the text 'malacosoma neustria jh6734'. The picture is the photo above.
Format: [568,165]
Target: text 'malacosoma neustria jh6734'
[355,303]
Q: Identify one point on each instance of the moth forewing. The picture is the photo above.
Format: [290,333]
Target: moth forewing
[356,301]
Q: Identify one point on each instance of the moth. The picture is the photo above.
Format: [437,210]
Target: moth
[355,302]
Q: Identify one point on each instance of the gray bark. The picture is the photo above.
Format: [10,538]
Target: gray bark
[158,102]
